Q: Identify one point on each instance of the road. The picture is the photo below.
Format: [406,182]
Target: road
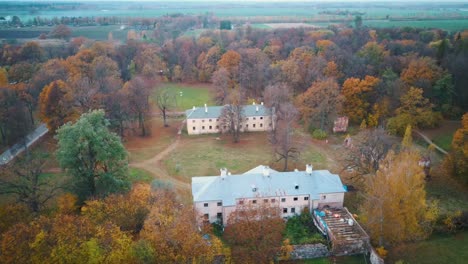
[16,149]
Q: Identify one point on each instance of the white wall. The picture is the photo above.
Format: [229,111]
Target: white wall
[213,125]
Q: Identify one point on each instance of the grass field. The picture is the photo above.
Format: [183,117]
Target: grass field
[139,175]
[440,248]
[449,25]
[192,95]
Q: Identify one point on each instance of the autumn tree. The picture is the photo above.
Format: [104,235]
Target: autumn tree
[253,71]
[165,100]
[255,233]
[61,32]
[230,61]
[357,94]
[93,155]
[423,73]
[56,104]
[414,110]
[232,116]
[137,92]
[24,180]
[222,85]
[320,102]
[171,230]
[458,157]
[395,207]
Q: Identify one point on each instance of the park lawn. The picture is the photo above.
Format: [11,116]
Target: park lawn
[204,155]
[188,95]
[143,148]
[449,25]
[439,248]
[451,195]
[137,175]
[444,141]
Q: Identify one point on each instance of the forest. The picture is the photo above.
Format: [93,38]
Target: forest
[89,92]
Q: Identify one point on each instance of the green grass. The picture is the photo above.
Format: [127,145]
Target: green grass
[444,141]
[192,95]
[139,175]
[449,25]
[100,32]
[439,248]
[260,26]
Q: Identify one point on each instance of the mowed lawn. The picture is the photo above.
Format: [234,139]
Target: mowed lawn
[439,248]
[188,95]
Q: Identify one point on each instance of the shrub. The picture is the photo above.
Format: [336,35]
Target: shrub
[300,229]
[319,134]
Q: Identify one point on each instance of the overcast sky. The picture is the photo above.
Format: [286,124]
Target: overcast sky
[237,1]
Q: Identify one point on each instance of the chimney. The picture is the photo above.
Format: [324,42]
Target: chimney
[296,170]
[253,103]
[254,188]
[206,109]
[309,169]
[223,173]
[256,109]
[261,103]
[266,171]
[194,108]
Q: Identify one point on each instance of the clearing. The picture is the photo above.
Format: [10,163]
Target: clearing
[188,95]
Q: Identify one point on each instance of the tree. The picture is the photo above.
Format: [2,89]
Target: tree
[221,82]
[458,157]
[407,141]
[319,102]
[56,104]
[165,100]
[357,95]
[358,22]
[255,233]
[95,157]
[283,139]
[61,32]
[395,207]
[137,92]
[25,180]
[415,110]
[232,117]
[367,150]
[3,77]
[225,24]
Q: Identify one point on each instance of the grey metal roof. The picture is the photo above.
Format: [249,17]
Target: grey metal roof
[232,187]
[215,111]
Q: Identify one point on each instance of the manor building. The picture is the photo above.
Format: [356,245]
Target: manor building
[216,197]
[206,120]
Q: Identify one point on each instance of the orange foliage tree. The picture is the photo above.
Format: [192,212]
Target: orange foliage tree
[458,158]
[57,104]
[357,95]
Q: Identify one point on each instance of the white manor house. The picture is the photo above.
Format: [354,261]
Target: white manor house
[216,197]
[206,120]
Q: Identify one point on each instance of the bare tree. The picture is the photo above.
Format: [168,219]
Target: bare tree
[165,99]
[368,148]
[25,180]
[275,95]
[283,139]
[232,117]
[221,82]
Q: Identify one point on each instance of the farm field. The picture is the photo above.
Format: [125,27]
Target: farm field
[449,25]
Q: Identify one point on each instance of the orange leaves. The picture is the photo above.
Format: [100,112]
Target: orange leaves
[230,61]
[57,104]
[357,93]
[459,153]
[419,69]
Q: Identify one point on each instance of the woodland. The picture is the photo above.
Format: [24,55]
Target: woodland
[94,94]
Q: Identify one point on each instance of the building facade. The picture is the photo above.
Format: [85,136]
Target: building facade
[216,197]
[206,120]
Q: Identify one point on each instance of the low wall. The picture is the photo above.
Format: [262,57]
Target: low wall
[375,258]
[309,251]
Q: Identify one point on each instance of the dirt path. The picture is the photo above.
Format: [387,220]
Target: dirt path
[154,165]
[430,142]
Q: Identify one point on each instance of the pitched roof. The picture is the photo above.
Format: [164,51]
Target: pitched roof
[215,111]
[232,187]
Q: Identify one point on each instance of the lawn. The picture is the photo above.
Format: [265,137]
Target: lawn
[188,95]
[143,148]
[139,175]
[439,248]
[449,25]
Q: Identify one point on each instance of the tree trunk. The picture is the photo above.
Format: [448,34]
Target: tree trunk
[164,117]
[285,163]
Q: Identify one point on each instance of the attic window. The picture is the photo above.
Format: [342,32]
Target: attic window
[254,189]
[261,118]
[296,187]
[205,204]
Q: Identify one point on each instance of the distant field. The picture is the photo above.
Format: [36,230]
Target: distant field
[449,25]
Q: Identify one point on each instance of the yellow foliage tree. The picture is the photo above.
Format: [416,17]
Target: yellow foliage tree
[356,93]
[395,207]
[458,158]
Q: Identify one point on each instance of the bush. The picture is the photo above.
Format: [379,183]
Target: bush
[300,229]
[319,134]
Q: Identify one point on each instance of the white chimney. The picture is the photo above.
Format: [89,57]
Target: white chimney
[309,168]
[253,103]
[296,170]
[261,103]
[223,173]
[194,108]
[256,108]
[206,109]
[266,171]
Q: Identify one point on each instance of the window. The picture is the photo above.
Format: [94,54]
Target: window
[211,127]
[285,210]
[247,126]
[283,200]
[254,201]
[193,128]
[209,120]
[296,187]
[265,200]
[293,210]
[217,127]
[306,198]
[203,127]
[241,202]
[247,119]
[324,197]
[220,204]
[203,120]
[254,125]
[219,216]
[193,121]
[261,118]
[273,200]
[261,125]
[205,204]
[217,119]
[295,198]
[254,118]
